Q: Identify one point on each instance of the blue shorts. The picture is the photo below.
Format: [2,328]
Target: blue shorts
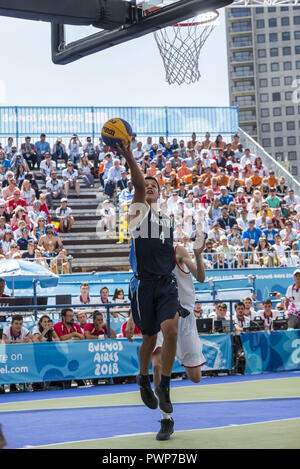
[153,301]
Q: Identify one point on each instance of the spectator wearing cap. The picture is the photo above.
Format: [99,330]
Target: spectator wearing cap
[152,170]
[225,252]
[123,182]
[36,213]
[226,221]
[153,151]
[126,195]
[252,233]
[107,217]
[47,166]
[273,200]
[205,159]
[270,232]
[70,178]
[234,238]
[15,201]
[173,201]
[240,200]
[292,302]
[64,216]
[41,147]
[225,198]
[54,187]
[22,242]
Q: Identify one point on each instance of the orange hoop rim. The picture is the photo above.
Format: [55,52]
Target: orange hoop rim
[207,21]
[198,23]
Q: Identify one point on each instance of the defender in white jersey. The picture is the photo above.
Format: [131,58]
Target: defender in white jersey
[189,348]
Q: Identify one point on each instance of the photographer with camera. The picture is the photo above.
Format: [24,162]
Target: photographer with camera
[74,148]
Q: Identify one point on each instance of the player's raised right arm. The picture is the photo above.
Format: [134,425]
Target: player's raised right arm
[137,177]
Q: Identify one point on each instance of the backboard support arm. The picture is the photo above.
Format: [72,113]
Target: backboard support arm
[63,53]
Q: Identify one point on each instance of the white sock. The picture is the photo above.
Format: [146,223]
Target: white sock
[165,416]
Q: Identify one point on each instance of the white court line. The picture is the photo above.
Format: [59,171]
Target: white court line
[130,392]
[151,433]
[86,406]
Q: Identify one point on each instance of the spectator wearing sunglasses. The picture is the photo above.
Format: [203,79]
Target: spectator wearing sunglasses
[70,178]
[22,242]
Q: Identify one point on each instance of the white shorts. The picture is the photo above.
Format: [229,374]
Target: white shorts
[189,347]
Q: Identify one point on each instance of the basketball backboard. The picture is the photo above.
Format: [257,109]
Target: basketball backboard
[138,18]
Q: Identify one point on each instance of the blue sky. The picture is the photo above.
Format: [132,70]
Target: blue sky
[130,74]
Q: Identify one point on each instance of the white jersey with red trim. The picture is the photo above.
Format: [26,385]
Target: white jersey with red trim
[189,347]
[186,290]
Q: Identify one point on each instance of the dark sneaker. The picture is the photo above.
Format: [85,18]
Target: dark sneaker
[147,395]
[164,402]
[2,439]
[166,429]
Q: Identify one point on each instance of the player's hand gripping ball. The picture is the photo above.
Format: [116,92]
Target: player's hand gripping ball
[116,131]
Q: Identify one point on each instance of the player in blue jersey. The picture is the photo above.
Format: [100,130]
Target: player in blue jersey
[153,289]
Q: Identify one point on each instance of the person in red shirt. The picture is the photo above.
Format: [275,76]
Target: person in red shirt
[15,200]
[97,328]
[135,332]
[67,329]
[240,200]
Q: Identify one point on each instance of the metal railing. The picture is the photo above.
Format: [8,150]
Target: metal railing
[256,259]
[268,160]
[57,265]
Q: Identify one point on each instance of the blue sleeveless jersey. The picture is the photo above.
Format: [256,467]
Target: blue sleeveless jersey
[152,252]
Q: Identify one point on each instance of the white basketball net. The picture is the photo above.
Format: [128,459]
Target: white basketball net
[180,46]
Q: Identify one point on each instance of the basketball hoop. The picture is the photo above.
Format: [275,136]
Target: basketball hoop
[180,46]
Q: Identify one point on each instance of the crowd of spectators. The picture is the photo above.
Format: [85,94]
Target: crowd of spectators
[249,216]
[29,184]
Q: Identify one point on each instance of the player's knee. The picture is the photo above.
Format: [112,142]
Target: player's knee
[194,375]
